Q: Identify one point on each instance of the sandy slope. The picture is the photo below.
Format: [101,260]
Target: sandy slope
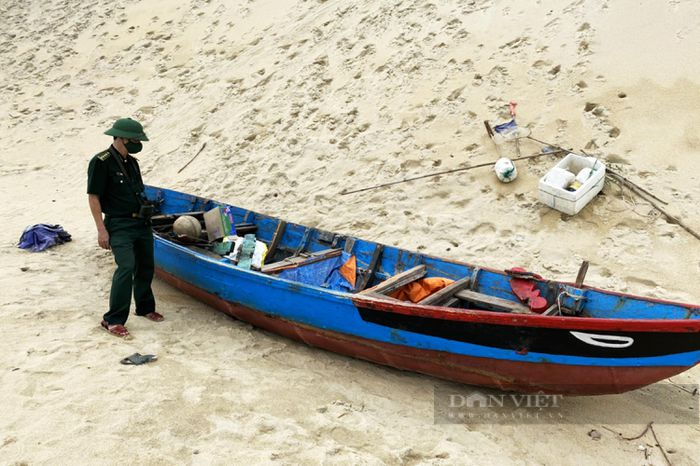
[296,101]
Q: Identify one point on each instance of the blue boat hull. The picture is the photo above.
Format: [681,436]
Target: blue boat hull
[521,353]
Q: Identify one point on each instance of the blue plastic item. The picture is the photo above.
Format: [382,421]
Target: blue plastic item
[42,236]
[325,273]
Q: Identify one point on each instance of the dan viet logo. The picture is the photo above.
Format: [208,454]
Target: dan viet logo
[476,406]
[479,400]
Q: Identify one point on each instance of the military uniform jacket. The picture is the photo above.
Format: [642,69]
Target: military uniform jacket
[105,178]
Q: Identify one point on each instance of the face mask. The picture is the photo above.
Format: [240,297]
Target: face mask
[133,147]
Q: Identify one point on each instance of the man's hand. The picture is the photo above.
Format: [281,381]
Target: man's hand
[103,238]
[96,211]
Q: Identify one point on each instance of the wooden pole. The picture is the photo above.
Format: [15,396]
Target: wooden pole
[631,185]
[405,180]
[581,274]
[489,130]
[670,218]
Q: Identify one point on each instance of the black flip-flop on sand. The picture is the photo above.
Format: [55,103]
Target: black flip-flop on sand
[137,359]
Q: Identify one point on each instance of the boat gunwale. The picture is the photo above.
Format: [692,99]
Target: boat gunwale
[529,320]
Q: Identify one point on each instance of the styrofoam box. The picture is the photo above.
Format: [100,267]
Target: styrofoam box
[571,202]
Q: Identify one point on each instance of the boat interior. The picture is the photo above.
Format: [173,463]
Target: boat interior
[381,270]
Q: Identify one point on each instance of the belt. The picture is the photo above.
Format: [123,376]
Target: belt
[131,215]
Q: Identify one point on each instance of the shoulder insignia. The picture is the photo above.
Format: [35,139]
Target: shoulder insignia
[103,155]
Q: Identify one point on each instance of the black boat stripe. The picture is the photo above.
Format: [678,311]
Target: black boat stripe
[537,339]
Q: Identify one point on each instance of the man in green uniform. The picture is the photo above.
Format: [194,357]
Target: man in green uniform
[116,189]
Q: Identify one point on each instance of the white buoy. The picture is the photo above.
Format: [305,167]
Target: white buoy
[505,170]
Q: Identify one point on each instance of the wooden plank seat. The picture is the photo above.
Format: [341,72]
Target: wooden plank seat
[397,281]
[492,303]
[305,258]
[441,297]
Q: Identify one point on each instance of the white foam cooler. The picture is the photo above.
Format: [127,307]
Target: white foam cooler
[588,171]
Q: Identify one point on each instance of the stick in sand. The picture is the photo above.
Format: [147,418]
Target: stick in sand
[512,106]
[195,156]
[670,218]
[489,131]
[487,164]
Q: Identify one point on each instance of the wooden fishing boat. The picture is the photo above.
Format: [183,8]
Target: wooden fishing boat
[478,330]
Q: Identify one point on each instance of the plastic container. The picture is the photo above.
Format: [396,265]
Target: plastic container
[560,178]
[570,192]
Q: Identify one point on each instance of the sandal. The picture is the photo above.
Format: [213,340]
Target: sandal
[137,359]
[116,330]
[154,316]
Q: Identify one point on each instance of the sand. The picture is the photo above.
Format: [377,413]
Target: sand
[296,101]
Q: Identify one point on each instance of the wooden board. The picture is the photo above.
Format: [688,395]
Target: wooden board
[439,297]
[451,302]
[369,272]
[349,244]
[300,260]
[243,229]
[397,281]
[279,232]
[492,303]
[304,241]
[552,310]
[381,296]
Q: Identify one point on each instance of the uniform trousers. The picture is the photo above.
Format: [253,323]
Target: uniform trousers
[131,240]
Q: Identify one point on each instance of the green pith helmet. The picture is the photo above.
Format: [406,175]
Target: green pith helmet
[127,128]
